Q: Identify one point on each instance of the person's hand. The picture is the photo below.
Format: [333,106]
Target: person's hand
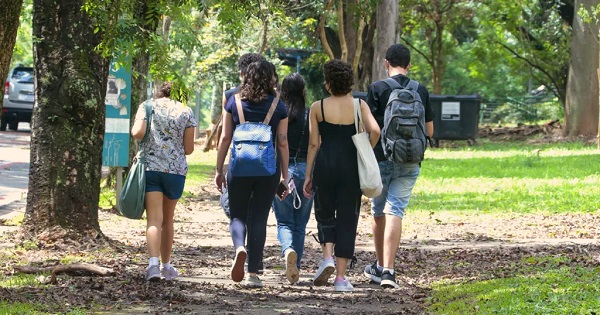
[308,188]
[220,181]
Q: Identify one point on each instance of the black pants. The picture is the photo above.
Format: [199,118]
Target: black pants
[337,205]
[250,200]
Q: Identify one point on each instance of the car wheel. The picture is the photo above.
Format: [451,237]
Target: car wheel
[13,125]
[3,124]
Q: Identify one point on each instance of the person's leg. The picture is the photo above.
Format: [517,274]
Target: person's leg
[301,215]
[284,213]
[154,215]
[240,191]
[172,185]
[260,204]
[373,271]
[325,216]
[347,215]
[399,192]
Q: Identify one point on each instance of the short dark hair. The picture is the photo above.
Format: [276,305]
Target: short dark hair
[339,76]
[398,55]
[258,82]
[246,59]
[165,90]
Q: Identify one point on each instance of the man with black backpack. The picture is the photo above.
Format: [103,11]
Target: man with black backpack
[402,109]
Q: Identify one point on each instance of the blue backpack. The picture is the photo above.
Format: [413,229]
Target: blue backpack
[253,150]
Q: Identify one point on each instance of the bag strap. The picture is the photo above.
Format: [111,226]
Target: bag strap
[149,111]
[358,120]
[272,109]
[240,110]
[413,85]
[393,84]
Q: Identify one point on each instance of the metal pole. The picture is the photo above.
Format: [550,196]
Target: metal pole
[119,185]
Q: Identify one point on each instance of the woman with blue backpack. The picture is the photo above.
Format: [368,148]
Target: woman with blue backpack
[293,212]
[252,120]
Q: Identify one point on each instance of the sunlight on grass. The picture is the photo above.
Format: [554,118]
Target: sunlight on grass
[544,288]
[201,169]
[18,280]
[18,308]
[513,177]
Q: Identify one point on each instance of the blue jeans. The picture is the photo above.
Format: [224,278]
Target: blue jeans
[291,222]
[398,182]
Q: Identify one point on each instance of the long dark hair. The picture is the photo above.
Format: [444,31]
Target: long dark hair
[293,95]
[258,82]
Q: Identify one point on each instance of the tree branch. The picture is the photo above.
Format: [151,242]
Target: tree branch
[322,34]
[342,31]
[529,62]
[359,48]
[429,61]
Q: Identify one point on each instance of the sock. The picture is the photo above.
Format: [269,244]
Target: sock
[379,267]
[391,271]
[153,261]
[167,265]
[328,259]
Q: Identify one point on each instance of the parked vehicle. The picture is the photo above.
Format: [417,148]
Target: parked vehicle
[18,100]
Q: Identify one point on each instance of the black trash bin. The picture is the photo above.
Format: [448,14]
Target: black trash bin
[456,117]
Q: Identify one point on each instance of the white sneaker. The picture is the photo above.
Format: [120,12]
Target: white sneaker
[343,286]
[169,273]
[291,269]
[237,269]
[252,281]
[153,273]
[326,269]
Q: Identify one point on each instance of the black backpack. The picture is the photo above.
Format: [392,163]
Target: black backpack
[403,138]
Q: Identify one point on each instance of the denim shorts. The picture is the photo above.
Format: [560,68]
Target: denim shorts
[171,185]
[398,181]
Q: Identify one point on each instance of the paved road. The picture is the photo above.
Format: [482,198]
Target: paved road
[14,169]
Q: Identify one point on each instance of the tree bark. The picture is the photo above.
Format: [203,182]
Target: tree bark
[581,104]
[341,31]
[387,18]
[68,124]
[322,33]
[9,24]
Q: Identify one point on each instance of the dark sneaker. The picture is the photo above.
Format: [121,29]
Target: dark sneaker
[388,280]
[373,273]
[153,273]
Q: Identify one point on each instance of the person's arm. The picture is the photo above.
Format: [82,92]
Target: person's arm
[138,130]
[188,140]
[224,143]
[371,126]
[429,128]
[283,149]
[313,146]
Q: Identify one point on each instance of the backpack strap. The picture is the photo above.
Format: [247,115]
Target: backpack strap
[393,84]
[271,110]
[240,110]
[413,85]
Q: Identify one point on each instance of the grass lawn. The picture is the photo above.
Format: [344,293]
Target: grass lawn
[520,178]
[544,285]
[510,177]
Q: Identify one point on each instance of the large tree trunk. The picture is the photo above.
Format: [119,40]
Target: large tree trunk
[387,18]
[581,107]
[9,24]
[68,123]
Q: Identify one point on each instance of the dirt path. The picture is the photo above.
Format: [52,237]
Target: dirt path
[435,247]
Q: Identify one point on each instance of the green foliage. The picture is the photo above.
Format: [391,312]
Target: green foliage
[544,285]
[23,50]
[509,177]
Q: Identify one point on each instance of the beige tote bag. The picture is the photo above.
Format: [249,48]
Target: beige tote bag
[368,169]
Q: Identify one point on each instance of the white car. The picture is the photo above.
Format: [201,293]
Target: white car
[17,105]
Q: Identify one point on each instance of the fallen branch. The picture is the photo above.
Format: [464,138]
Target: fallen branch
[93,269]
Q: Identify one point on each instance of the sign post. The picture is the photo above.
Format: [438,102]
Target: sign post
[115,151]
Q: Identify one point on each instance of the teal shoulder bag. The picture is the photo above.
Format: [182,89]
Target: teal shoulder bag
[131,199]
